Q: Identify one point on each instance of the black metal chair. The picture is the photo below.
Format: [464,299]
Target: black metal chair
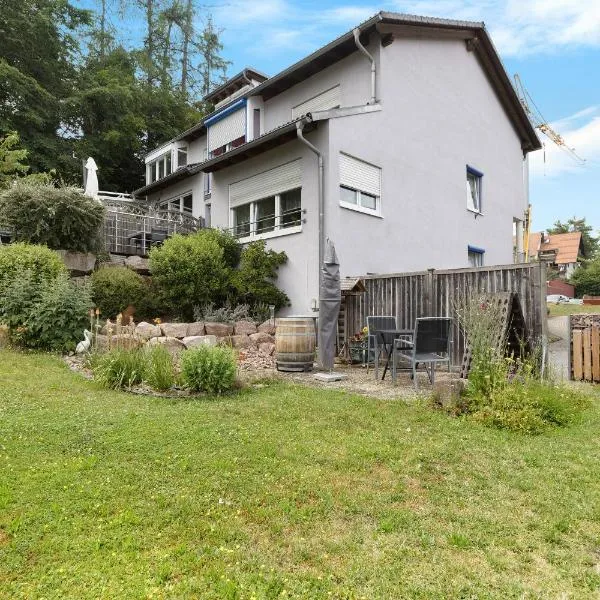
[430,346]
[158,236]
[374,325]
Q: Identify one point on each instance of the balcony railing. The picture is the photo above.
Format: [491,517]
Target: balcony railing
[132,228]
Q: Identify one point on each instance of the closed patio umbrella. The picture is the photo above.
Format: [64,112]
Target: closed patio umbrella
[91,180]
[329,306]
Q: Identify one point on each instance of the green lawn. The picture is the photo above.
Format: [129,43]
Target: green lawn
[561,310]
[283,491]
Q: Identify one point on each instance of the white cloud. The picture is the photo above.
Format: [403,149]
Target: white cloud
[580,131]
[522,26]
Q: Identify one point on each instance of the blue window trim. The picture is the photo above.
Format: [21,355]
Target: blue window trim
[241,103]
[473,171]
[475,250]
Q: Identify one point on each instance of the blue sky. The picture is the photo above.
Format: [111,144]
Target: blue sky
[554,45]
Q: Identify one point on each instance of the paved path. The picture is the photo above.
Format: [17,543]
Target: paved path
[558,351]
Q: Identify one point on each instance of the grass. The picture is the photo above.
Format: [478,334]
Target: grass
[283,491]
[562,310]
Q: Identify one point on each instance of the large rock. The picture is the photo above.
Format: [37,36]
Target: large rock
[199,340]
[262,338]
[4,336]
[196,328]
[244,327]
[108,328]
[125,341]
[102,342]
[138,264]
[176,330]
[267,327]
[241,341]
[147,330]
[219,329]
[266,348]
[173,345]
[78,263]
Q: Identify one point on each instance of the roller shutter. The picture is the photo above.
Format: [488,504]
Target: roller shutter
[263,185]
[325,101]
[226,130]
[359,175]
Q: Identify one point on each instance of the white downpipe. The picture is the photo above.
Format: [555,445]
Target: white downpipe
[321,194]
[356,33]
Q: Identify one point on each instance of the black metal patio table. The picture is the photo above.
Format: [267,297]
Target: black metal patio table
[386,338]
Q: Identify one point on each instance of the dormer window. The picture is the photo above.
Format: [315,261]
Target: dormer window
[159,167]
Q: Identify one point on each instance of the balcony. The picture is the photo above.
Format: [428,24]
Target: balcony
[132,227]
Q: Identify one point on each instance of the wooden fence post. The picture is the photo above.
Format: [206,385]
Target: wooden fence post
[429,299]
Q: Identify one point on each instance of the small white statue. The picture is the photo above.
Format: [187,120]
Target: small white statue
[86,344]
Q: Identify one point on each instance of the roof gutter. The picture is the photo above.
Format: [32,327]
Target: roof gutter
[321,195]
[356,33]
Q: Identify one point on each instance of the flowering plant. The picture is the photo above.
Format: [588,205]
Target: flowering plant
[361,336]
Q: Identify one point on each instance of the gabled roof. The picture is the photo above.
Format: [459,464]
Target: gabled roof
[235,83]
[568,246]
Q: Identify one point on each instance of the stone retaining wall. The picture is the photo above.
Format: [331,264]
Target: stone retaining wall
[179,336]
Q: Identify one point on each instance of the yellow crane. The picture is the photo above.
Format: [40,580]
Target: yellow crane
[541,124]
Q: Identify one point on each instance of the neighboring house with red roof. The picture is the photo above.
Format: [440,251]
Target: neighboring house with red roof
[562,250]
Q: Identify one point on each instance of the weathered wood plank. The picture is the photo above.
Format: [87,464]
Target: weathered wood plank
[577,355]
[587,353]
[595,353]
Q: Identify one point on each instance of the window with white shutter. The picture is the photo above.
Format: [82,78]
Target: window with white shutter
[226,131]
[325,101]
[360,185]
[267,203]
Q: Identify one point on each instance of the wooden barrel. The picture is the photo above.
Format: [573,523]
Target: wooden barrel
[295,342]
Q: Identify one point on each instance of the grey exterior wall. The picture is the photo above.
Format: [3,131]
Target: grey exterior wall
[439,114]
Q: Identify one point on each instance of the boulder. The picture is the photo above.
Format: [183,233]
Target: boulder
[267,327]
[138,264]
[262,338]
[102,342]
[244,327]
[199,340]
[4,336]
[176,330]
[267,348]
[219,329]
[78,263]
[172,344]
[241,341]
[196,328]
[147,330]
[126,341]
[108,327]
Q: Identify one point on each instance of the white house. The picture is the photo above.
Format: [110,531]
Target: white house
[403,141]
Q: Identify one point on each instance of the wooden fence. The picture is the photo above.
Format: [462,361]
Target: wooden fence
[584,353]
[435,293]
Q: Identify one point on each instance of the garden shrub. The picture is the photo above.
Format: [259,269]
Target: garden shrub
[115,288]
[228,313]
[160,370]
[49,316]
[60,217]
[189,270]
[120,368]
[18,258]
[254,278]
[208,369]
[232,249]
[507,392]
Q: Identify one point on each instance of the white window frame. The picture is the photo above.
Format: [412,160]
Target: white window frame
[277,231]
[478,177]
[358,207]
[152,167]
[177,151]
[167,203]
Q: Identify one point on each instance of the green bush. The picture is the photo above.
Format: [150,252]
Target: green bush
[115,288]
[51,316]
[61,218]
[586,279]
[17,259]
[208,369]
[189,270]
[160,370]
[121,368]
[254,278]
